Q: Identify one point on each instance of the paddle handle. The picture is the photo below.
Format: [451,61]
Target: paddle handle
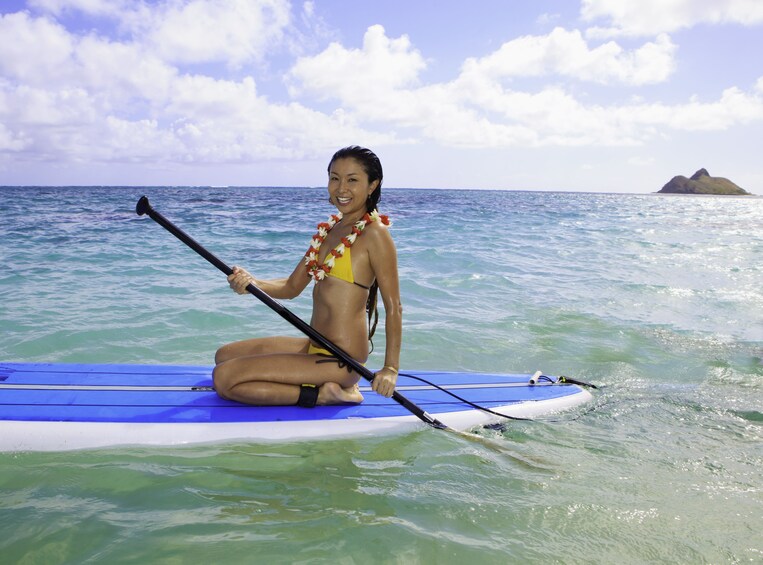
[144,207]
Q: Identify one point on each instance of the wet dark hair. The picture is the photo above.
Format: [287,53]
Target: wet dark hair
[371,165]
[373,168]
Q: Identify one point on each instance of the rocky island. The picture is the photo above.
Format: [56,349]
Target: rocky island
[701,183]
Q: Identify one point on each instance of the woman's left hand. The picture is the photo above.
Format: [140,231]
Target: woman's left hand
[239,279]
[384,381]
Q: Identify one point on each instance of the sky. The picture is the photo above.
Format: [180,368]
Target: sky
[588,95]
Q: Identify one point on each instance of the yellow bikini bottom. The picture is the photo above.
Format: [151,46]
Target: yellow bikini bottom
[313,349]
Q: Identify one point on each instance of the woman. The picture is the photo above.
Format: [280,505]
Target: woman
[350,258]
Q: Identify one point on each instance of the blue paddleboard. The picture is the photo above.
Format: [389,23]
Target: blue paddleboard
[52,407]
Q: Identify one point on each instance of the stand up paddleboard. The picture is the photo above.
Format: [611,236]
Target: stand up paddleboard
[55,407]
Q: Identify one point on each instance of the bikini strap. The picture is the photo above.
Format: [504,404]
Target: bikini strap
[332,359]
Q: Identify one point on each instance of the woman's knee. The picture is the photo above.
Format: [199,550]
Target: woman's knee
[224,353]
[219,382]
[236,349]
[220,355]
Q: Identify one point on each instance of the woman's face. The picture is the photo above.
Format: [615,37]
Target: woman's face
[348,186]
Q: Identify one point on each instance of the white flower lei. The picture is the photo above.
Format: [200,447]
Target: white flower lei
[317,271]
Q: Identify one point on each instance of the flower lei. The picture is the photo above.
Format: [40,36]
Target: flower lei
[317,271]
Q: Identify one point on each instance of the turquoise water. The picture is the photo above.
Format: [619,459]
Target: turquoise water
[659,299]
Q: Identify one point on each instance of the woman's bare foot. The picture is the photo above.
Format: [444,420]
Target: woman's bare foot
[332,393]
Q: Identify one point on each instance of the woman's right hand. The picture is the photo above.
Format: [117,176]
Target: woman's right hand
[239,279]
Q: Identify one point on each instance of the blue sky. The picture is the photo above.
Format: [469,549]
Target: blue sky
[595,95]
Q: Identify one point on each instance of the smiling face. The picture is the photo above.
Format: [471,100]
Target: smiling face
[349,187]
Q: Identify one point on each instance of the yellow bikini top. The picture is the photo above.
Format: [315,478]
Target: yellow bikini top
[342,269]
[338,262]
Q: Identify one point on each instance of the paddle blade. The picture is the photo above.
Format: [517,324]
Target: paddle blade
[143,206]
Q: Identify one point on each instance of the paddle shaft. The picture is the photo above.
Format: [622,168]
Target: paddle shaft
[144,207]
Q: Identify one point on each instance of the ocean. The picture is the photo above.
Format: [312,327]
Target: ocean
[657,299]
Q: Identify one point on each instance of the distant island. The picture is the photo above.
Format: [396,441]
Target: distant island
[701,183]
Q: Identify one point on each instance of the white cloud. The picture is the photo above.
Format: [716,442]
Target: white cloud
[547,19]
[734,107]
[478,109]
[566,53]
[12,141]
[33,50]
[381,65]
[651,17]
[234,32]
[42,54]
[231,31]
[70,96]
[558,118]
[136,141]
[39,107]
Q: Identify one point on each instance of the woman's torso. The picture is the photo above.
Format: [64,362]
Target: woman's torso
[339,306]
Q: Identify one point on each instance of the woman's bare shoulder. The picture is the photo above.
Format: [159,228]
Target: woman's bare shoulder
[378,231]
[379,243]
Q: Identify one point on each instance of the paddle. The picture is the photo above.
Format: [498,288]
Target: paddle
[144,207]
